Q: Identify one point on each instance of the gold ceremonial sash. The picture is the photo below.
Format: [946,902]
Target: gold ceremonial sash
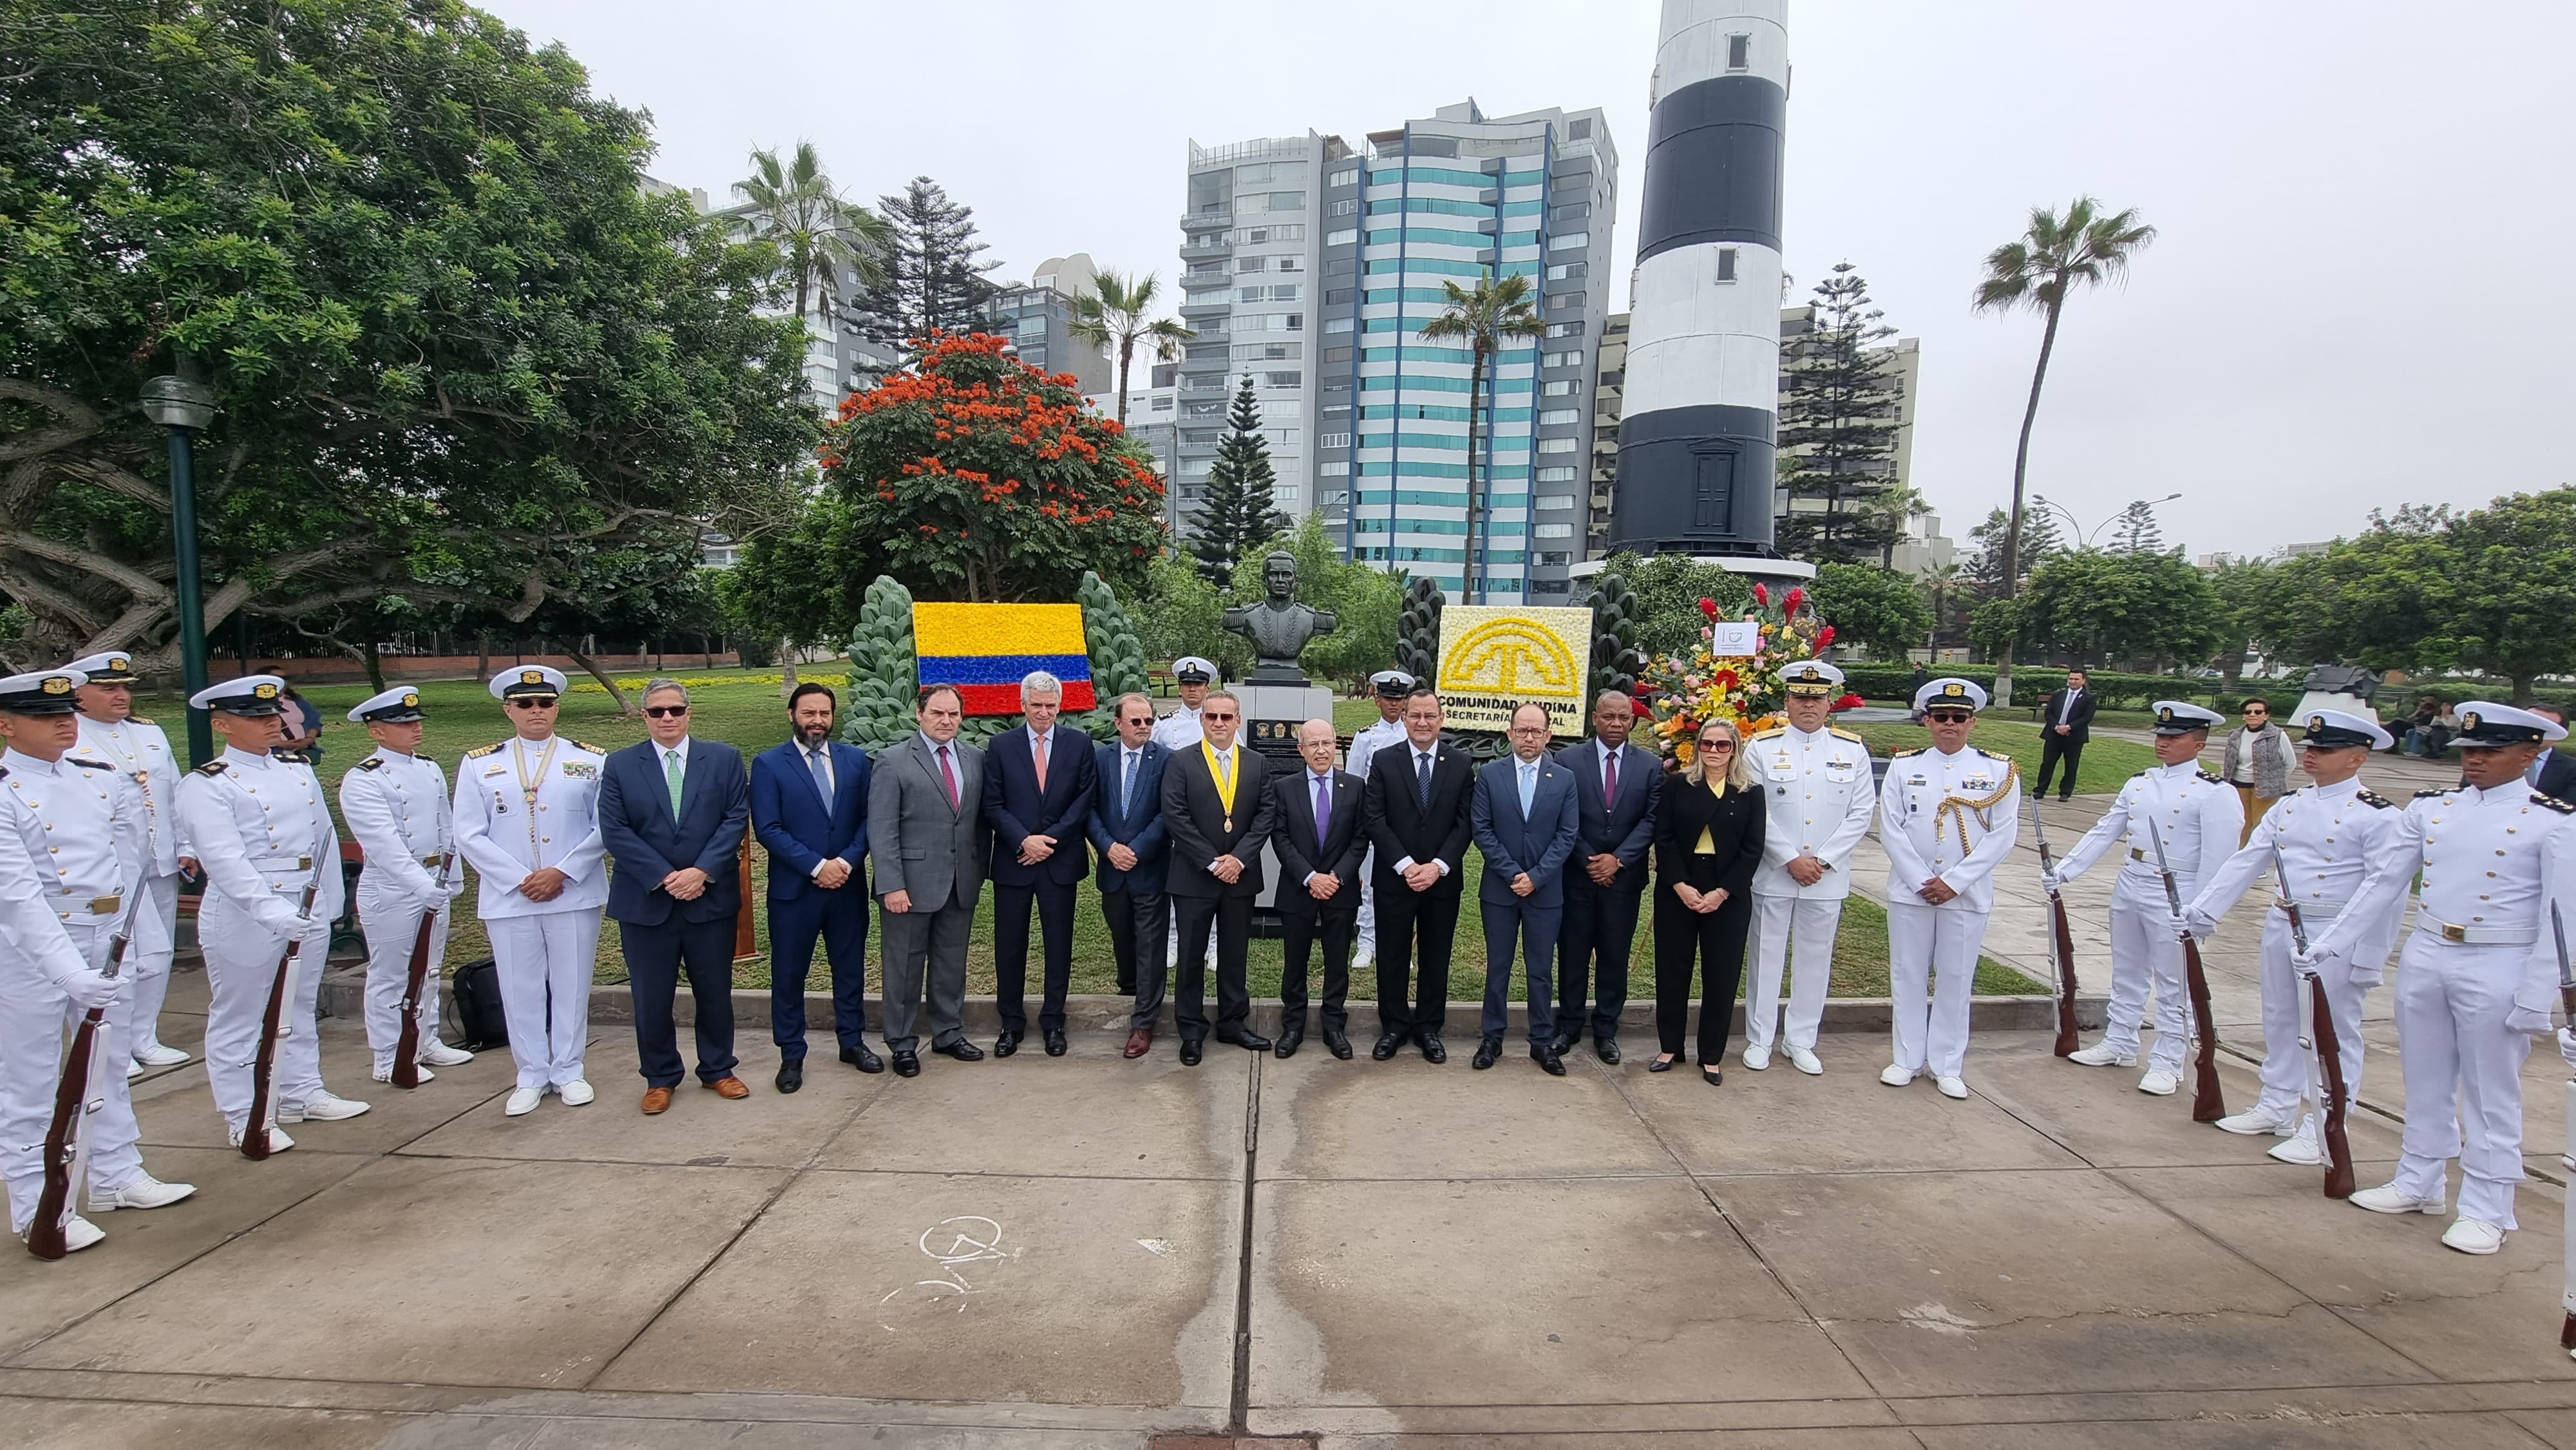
[1224,777]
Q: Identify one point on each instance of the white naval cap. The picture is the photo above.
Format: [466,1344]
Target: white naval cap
[2181,717]
[41,692]
[543,681]
[2484,722]
[1392,684]
[249,695]
[1948,690]
[2334,729]
[1810,677]
[108,667]
[1192,670]
[398,706]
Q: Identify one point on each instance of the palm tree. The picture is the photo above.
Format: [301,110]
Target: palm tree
[2037,270]
[1497,310]
[795,206]
[1116,313]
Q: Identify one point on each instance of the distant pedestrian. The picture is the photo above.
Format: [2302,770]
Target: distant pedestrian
[2553,774]
[2258,764]
[2067,722]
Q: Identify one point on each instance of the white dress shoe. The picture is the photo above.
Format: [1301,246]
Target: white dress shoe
[278,1142]
[1951,1087]
[386,1074]
[1896,1076]
[2256,1120]
[575,1093]
[1805,1061]
[325,1106]
[1757,1058]
[144,1192]
[133,1069]
[2389,1198]
[522,1102]
[439,1054]
[160,1055]
[2299,1148]
[79,1234]
[2159,1082]
[2473,1236]
[2103,1054]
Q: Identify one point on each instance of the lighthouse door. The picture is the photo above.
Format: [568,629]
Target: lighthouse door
[1713,491]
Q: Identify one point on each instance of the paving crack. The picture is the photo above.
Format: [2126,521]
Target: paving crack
[1239,1402]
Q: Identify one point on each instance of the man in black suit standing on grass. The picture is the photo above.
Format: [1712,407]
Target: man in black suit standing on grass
[1217,810]
[1418,801]
[2065,723]
[1320,846]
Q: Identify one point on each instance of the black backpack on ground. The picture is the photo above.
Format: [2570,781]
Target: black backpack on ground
[479,1021]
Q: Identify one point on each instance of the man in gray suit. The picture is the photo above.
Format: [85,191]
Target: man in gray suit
[1524,817]
[926,828]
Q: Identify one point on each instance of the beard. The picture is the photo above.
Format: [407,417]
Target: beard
[813,739]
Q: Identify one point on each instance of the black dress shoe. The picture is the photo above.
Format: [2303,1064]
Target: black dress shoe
[1432,1051]
[1560,1043]
[1248,1041]
[907,1064]
[1665,1064]
[1005,1045]
[1546,1057]
[1055,1042]
[791,1075]
[1286,1046]
[1488,1050]
[1386,1046]
[1711,1076]
[1189,1052]
[1607,1048]
[961,1049]
[1336,1043]
[862,1059]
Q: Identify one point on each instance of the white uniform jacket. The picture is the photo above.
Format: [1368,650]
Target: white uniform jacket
[1179,730]
[83,824]
[141,753]
[2197,815]
[1951,816]
[261,829]
[1369,742]
[524,804]
[2327,835]
[398,813]
[1821,795]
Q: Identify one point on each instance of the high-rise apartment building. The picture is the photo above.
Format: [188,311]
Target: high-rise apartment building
[1318,266]
[1038,319]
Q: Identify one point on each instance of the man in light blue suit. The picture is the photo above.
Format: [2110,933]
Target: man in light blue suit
[809,806]
[1524,818]
[1135,852]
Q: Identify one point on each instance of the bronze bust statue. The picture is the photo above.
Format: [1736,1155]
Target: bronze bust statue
[1279,627]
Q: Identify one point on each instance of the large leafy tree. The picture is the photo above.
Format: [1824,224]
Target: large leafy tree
[934,278]
[461,357]
[2098,607]
[1872,606]
[1119,313]
[1496,314]
[1838,427]
[1238,509]
[2039,270]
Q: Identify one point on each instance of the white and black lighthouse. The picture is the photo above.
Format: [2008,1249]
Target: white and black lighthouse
[1696,439]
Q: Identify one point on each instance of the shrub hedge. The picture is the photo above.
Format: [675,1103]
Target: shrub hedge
[2112,690]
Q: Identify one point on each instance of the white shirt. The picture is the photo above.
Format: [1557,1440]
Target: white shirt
[2327,835]
[505,840]
[2066,711]
[1929,828]
[2197,815]
[142,752]
[662,753]
[1819,792]
[398,812]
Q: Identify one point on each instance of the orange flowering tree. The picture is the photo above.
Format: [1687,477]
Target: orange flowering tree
[973,476]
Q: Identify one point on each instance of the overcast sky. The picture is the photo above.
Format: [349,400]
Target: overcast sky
[2360,296]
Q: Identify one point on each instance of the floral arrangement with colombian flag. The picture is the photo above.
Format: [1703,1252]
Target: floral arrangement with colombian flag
[1688,689]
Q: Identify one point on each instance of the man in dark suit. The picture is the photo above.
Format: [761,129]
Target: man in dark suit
[1525,820]
[2066,722]
[1218,810]
[1418,802]
[1037,800]
[1320,846]
[809,806]
[1617,789]
[1127,830]
[926,828]
[2554,773]
[672,812]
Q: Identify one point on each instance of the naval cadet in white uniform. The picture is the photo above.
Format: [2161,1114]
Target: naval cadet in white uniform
[1947,816]
[262,831]
[527,817]
[2326,835]
[111,731]
[84,822]
[2478,973]
[1179,730]
[396,804]
[2200,820]
[1389,689]
[1822,794]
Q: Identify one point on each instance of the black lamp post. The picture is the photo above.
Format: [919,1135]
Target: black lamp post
[186,408]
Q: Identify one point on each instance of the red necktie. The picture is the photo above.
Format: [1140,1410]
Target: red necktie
[1037,749]
[1610,779]
[948,777]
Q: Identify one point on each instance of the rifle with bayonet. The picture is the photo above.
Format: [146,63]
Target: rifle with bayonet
[2061,940]
[81,1091]
[2207,1105]
[2325,1054]
[273,1025]
[406,1072]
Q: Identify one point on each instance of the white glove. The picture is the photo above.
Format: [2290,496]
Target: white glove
[2199,923]
[2049,878]
[2567,1044]
[89,990]
[2306,961]
[276,917]
[2532,1021]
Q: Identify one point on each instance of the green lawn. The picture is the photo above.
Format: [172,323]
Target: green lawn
[748,714]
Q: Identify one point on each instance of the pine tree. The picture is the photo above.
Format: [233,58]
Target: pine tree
[1238,511]
[2137,531]
[933,280]
[2039,542]
[1838,429]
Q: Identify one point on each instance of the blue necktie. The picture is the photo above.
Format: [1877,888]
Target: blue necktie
[1529,787]
[822,774]
[1422,775]
[1126,783]
[1323,808]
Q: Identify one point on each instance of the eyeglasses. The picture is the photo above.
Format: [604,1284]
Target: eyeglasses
[1717,745]
[533,702]
[1950,717]
[665,712]
[2258,709]
[1212,715]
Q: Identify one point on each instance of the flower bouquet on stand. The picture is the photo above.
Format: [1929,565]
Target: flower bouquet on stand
[1693,686]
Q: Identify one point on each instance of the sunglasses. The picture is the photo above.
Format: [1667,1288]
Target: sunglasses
[665,712]
[2257,710]
[1950,717]
[532,702]
[1213,715]
[1717,745]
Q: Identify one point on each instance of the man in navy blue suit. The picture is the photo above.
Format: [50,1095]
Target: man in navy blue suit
[1135,851]
[1618,789]
[1320,845]
[809,806]
[1525,821]
[672,812]
[1037,800]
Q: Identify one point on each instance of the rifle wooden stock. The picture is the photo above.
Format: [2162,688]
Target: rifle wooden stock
[62,1141]
[263,1067]
[2339,1182]
[2567,1334]
[2207,1103]
[2067,1040]
[406,1073]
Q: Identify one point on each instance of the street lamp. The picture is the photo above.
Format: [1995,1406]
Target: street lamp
[2086,535]
[186,407]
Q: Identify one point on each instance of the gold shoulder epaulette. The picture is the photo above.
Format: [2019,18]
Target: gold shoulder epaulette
[1774,730]
[582,745]
[1839,733]
[372,762]
[2374,800]
[136,720]
[211,767]
[2553,803]
[480,751]
[2212,779]
[1901,754]
[1992,754]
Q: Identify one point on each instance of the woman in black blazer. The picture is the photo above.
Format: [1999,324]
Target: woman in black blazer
[1708,839]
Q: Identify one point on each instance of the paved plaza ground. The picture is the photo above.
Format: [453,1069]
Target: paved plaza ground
[1093,1252]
